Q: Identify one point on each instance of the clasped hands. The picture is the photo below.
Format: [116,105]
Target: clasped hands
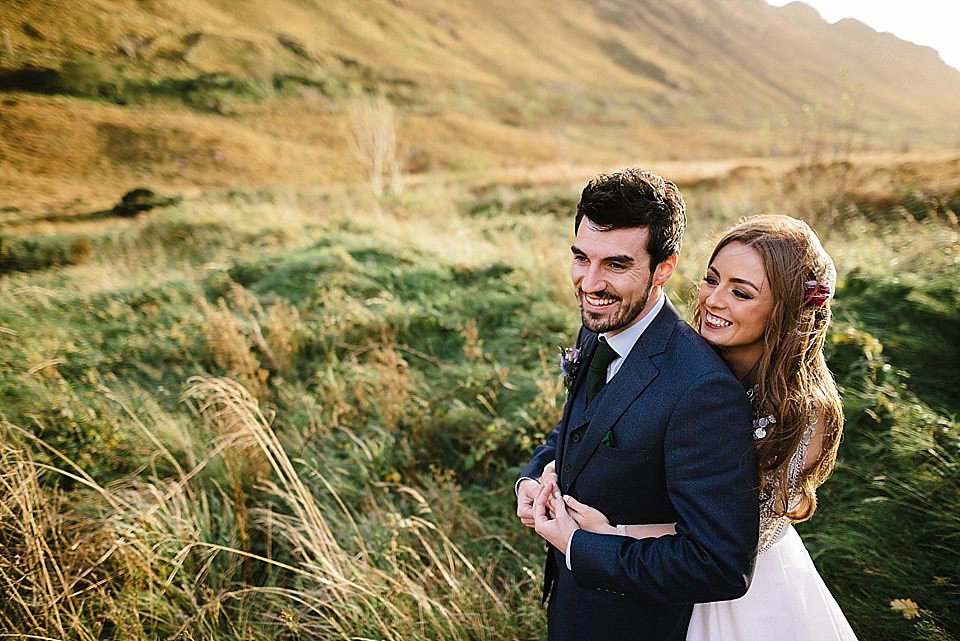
[555,517]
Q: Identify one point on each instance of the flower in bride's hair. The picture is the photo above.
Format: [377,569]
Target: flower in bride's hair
[569,364]
[816,294]
[907,607]
[819,290]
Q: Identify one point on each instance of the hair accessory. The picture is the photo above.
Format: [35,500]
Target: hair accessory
[816,294]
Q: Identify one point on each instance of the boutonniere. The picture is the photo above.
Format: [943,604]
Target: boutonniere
[569,364]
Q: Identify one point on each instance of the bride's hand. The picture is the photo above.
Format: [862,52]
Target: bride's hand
[588,518]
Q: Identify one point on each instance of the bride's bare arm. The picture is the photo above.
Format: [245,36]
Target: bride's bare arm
[593,520]
[649,530]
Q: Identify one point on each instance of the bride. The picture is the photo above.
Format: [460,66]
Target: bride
[764,304]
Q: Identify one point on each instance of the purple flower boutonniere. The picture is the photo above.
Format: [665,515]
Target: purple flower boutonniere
[569,364]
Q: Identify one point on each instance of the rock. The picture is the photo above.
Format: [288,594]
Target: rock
[140,200]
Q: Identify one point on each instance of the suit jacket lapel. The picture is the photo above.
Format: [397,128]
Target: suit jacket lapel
[636,373]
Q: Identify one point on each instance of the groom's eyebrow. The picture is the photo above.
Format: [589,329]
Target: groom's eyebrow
[619,258]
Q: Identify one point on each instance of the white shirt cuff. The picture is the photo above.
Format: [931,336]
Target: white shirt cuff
[516,486]
[569,541]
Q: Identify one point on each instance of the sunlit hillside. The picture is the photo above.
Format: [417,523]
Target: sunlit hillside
[100,95]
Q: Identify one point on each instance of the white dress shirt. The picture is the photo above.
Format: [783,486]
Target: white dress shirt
[623,342]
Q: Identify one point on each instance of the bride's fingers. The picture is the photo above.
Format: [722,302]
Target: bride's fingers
[574,504]
[578,518]
[556,502]
[574,507]
[546,501]
[561,513]
[581,508]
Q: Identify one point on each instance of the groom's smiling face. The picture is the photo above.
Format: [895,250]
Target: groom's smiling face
[611,276]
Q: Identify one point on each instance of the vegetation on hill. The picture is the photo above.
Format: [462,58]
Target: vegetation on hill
[234,94]
[275,414]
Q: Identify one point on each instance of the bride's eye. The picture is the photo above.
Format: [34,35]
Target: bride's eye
[709,280]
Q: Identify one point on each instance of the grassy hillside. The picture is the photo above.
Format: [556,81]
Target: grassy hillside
[288,414]
[100,95]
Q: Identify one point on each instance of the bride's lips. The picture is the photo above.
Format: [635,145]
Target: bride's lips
[713,321]
[597,302]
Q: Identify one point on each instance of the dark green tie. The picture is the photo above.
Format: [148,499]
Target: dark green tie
[597,371]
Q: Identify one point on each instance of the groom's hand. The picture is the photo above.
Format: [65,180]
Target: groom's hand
[527,493]
[558,529]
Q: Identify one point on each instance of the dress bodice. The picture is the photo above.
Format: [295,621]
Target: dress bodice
[772,524]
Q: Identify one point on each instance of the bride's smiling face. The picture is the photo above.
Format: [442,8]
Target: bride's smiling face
[736,302]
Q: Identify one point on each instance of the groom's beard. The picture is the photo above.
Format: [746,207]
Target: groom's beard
[622,317]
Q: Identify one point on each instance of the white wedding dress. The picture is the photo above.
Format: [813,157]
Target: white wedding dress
[787,599]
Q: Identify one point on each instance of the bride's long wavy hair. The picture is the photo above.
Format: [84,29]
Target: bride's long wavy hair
[794,384]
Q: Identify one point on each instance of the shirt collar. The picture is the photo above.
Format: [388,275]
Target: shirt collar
[623,342]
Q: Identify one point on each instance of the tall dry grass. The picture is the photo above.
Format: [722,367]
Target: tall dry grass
[179,559]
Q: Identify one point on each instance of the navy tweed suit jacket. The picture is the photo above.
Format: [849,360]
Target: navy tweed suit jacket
[683,453]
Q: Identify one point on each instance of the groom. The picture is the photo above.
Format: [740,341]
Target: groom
[655,429]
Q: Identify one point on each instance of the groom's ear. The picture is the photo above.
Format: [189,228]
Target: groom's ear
[664,271]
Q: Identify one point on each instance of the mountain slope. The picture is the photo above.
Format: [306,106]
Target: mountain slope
[228,92]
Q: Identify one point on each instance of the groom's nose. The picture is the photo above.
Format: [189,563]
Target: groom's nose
[593,281]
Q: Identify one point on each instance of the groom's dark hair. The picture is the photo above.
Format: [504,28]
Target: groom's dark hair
[637,198]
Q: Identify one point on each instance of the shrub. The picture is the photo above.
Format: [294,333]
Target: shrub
[24,254]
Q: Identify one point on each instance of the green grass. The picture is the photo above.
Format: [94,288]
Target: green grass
[268,417]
